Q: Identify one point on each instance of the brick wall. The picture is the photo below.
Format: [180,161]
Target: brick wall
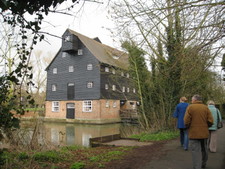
[100,110]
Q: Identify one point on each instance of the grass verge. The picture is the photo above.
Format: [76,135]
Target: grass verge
[158,136]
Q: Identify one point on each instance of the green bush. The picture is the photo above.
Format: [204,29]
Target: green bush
[4,156]
[77,165]
[23,156]
[51,156]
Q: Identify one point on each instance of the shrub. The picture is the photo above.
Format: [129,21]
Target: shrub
[77,165]
[51,156]
[23,156]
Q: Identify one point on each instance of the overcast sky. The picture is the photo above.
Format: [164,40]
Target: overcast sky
[91,21]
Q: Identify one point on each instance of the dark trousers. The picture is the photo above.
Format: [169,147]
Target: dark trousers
[199,152]
[184,138]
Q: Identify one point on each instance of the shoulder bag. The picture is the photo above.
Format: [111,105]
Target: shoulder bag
[219,123]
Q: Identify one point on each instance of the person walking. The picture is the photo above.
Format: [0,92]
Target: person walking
[197,119]
[213,129]
[179,114]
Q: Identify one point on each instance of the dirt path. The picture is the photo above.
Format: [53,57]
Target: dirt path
[168,155]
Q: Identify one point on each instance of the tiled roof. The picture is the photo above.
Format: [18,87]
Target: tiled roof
[105,54]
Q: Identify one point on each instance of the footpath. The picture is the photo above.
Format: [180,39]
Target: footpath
[176,158]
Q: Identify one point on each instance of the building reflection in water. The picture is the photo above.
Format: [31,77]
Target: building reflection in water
[76,134]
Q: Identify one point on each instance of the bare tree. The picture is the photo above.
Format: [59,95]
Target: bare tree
[182,39]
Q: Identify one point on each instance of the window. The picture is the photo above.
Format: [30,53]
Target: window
[70,91]
[107,103]
[113,87]
[106,69]
[67,38]
[106,86]
[134,90]
[132,105]
[128,75]
[114,104]
[55,106]
[64,54]
[90,84]
[87,106]
[113,71]
[53,87]
[54,70]
[71,69]
[123,89]
[128,90]
[80,52]
[89,67]
[122,73]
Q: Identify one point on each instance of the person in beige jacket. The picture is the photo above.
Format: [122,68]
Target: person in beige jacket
[197,119]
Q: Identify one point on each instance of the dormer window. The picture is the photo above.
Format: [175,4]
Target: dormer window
[80,52]
[67,39]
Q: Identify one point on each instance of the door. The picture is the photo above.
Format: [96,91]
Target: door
[70,110]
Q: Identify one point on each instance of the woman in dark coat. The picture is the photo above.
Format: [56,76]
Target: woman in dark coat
[179,114]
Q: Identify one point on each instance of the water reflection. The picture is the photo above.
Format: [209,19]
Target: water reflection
[41,133]
[75,134]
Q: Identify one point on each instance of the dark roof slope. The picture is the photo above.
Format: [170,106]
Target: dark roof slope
[104,53]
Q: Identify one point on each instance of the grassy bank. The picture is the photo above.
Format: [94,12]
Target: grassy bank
[74,157]
[157,136]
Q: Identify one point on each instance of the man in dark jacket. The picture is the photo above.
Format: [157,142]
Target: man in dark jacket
[197,119]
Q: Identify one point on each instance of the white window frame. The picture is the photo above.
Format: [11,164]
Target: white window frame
[87,106]
[122,73]
[107,103]
[54,70]
[67,38]
[123,89]
[113,71]
[128,75]
[90,85]
[71,68]
[64,54]
[55,106]
[89,66]
[114,87]
[134,90]
[128,90]
[106,69]
[114,104]
[106,86]
[80,52]
[54,87]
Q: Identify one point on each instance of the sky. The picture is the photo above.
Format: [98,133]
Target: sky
[91,21]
